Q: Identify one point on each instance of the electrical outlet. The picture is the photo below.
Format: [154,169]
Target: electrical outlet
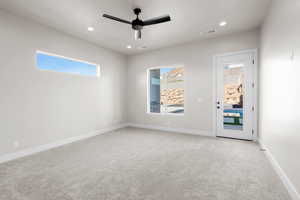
[16,144]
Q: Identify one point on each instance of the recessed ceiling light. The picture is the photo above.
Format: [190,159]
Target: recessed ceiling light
[91,28]
[129,46]
[223,23]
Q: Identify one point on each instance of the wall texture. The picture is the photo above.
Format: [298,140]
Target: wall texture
[280,86]
[197,58]
[39,107]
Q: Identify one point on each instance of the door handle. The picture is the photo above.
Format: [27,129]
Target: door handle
[218,107]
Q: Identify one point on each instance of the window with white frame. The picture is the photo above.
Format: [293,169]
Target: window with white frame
[166,90]
[52,62]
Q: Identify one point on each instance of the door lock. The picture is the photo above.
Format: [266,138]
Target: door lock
[218,103]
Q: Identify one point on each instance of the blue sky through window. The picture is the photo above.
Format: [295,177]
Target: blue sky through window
[59,64]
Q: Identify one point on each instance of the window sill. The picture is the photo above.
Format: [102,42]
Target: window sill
[166,114]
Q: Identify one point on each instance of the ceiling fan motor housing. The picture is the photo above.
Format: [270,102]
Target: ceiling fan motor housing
[137,24]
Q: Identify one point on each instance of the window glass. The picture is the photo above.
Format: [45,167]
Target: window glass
[52,62]
[166,90]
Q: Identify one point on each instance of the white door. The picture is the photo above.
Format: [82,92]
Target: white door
[235,95]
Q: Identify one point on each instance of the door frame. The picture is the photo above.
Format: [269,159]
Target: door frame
[255,90]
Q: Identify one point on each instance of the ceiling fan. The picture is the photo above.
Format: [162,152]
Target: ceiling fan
[137,24]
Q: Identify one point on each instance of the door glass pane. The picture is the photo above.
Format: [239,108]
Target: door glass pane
[233,96]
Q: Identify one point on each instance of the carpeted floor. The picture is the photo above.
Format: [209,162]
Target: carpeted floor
[138,164]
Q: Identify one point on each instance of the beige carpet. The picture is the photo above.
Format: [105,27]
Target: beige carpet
[137,164]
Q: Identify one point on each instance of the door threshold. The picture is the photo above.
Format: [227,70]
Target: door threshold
[234,138]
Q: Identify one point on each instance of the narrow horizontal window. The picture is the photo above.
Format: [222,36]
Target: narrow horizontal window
[51,62]
[166,90]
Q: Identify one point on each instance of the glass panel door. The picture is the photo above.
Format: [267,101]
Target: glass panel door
[235,95]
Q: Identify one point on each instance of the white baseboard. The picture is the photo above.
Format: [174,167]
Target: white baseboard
[176,130]
[282,175]
[40,148]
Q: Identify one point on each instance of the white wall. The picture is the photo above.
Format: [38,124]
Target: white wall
[39,107]
[280,86]
[197,58]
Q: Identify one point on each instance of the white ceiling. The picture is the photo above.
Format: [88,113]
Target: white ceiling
[191,19]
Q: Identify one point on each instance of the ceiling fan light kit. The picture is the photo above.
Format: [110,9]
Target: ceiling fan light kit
[137,34]
[137,24]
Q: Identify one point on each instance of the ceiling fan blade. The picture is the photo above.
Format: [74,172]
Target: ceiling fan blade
[157,20]
[116,19]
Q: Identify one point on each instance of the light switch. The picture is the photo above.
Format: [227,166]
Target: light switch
[16,144]
[200,100]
